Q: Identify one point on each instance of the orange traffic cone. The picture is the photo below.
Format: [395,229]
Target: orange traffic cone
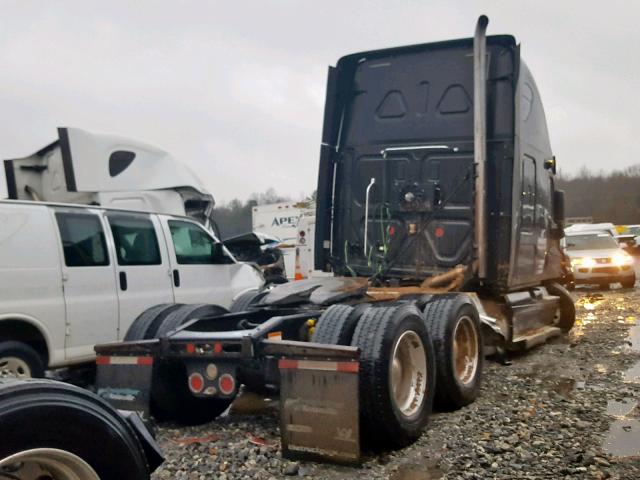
[298,273]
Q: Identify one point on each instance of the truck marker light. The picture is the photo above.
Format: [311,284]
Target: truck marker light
[196,382]
[274,335]
[211,371]
[345,367]
[227,384]
[191,348]
[439,232]
[217,347]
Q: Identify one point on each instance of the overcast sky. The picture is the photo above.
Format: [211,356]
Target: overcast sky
[236,89]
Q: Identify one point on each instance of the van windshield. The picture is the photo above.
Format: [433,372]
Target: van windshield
[600,241]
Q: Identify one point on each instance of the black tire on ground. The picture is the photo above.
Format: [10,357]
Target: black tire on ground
[337,324]
[171,398]
[629,283]
[20,360]
[146,324]
[380,333]
[567,306]
[454,324]
[604,286]
[184,313]
[45,414]
[244,301]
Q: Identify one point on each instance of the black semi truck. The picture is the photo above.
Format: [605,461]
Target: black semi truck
[439,226]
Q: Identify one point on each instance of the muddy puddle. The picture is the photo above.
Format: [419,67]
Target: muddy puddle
[632,375]
[621,408]
[634,337]
[623,438]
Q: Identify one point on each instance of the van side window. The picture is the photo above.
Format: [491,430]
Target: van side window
[193,246]
[135,239]
[83,240]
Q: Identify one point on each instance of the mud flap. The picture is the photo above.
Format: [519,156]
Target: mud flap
[123,377]
[319,414]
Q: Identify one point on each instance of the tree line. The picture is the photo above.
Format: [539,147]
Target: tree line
[606,197]
[234,218]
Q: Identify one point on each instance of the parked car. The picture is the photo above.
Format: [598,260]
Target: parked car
[73,276]
[629,239]
[607,227]
[596,258]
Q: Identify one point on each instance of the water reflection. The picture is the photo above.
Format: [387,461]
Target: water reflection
[623,439]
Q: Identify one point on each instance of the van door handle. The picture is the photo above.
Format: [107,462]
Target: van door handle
[123,281]
[176,278]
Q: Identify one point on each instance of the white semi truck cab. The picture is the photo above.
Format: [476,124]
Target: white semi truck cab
[108,171]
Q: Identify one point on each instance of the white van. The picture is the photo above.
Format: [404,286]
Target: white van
[73,276]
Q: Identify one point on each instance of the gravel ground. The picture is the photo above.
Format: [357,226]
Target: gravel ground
[563,410]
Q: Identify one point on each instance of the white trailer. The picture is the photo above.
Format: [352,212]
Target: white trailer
[281,220]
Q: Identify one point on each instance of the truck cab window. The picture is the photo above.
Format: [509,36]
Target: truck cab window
[194,246]
[83,240]
[135,239]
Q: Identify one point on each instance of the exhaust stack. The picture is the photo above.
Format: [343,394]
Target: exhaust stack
[480,140]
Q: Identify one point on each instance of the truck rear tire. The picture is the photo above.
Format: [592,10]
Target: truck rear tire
[145,325]
[567,317]
[454,324]
[397,375]
[184,313]
[62,432]
[19,360]
[171,398]
[244,301]
[337,324]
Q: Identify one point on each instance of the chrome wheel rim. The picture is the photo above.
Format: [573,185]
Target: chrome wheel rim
[14,367]
[47,463]
[465,350]
[408,373]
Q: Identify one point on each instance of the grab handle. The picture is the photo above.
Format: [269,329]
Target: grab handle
[366,214]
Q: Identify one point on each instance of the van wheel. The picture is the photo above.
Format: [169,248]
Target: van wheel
[146,324]
[454,324]
[74,435]
[184,313]
[337,324]
[244,301]
[171,398]
[19,360]
[397,374]
[567,314]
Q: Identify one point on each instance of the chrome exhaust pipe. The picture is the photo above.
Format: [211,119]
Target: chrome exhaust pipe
[480,140]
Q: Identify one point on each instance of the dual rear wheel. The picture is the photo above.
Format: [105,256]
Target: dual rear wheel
[409,358]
